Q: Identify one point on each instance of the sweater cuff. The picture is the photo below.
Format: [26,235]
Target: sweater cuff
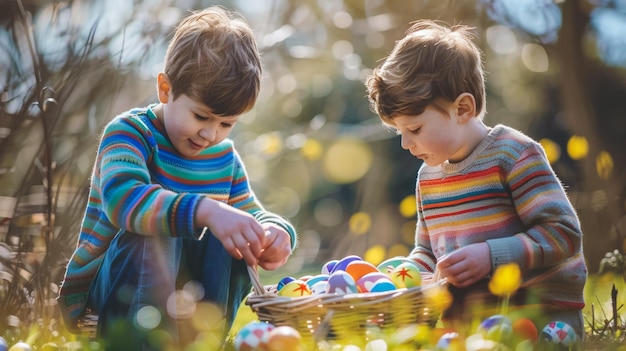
[500,253]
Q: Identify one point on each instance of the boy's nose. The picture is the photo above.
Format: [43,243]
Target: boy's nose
[405,142]
[208,133]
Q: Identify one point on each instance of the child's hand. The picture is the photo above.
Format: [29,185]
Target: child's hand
[277,247]
[465,266]
[239,232]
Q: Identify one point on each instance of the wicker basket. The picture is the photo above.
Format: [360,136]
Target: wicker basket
[354,318]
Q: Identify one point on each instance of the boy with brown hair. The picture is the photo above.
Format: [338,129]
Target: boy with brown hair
[486,196]
[170,198]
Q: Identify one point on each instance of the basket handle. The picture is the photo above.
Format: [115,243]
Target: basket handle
[256,283]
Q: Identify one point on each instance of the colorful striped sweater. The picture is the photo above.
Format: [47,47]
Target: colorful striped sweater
[504,193]
[142,185]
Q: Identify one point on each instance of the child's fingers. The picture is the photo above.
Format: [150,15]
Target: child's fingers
[243,247]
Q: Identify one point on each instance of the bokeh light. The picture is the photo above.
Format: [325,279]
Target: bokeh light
[604,165]
[312,150]
[328,212]
[360,223]
[375,254]
[148,317]
[346,160]
[408,206]
[577,147]
[552,149]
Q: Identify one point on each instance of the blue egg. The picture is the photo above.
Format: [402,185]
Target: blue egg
[343,263]
[328,266]
[315,279]
[283,282]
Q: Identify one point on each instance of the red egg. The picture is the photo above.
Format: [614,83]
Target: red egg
[284,338]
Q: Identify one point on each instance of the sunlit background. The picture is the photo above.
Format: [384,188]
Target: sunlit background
[314,151]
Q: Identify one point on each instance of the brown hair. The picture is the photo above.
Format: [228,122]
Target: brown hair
[213,58]
[432,61]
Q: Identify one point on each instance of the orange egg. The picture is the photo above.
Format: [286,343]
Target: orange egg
[525,329]
[284,338]
[357,269]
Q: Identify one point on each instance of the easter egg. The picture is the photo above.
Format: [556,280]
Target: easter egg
[284,338]
[359,268]
[406,275]
[296,288]
[496,327]
[3,344]
[253,336]
[366,283]
[316,278]
[558,333]
[525,329]
[344,262]
[389,264]
[340,283]
[305,278]
[20,346]
[319,287]
[328,267]
[283,282]
[448,341]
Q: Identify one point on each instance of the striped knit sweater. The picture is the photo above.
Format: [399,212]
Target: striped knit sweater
[506,194]
[142,185]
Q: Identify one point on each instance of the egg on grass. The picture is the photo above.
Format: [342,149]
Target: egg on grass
[525,329]
[284,338]
[253,336]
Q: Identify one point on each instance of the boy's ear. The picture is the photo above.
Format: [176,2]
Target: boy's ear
[465,106]
[163,88]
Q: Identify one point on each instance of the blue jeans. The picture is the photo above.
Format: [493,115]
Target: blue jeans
[140,273]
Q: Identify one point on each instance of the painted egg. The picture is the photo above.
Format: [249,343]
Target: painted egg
[296,288]
[341,283]
[283,282]
[284,338]
[357,269]
[496,328]
[344,262]
[449,341]
[406,275]
[319,287]
[20,346]
[3,344]
[559,333]
[253,336]
[368,281]
[327,268]
[316,278]
[525,329]
[305,278]
[388,265]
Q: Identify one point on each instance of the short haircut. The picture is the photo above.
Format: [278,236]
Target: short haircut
[213,58]
[432,61]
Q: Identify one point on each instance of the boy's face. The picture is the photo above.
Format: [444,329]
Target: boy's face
[435,136]
[192,127]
